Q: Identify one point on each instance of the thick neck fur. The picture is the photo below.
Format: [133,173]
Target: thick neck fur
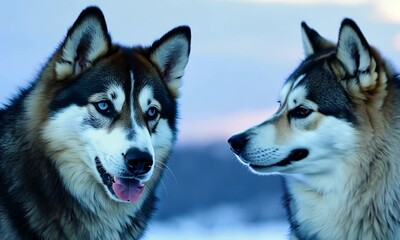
[359,198]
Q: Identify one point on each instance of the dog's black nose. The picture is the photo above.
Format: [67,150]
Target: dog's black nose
[237,143]
[138,162]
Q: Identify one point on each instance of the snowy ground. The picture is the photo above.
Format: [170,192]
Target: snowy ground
[275,231]
[220,223]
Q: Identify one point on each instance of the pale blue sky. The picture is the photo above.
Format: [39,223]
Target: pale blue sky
[241,50]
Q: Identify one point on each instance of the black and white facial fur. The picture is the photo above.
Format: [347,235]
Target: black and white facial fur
[83,148]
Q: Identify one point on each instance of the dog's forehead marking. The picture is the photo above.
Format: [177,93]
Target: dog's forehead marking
[132,78]
[139,134]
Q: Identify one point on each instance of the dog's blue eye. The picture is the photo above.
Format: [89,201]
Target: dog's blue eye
[103,106]
[152,113]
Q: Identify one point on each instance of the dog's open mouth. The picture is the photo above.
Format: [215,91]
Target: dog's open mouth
[295,155]
[125,189]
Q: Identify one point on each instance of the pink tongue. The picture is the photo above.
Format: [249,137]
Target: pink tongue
[127,189]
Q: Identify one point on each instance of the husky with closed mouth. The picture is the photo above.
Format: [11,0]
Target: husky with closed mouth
[336,140]
[83,148]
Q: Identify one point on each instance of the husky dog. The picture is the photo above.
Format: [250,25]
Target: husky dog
[82,149]
[336,140]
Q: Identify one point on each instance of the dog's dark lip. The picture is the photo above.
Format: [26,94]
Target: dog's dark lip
[295,155]
[123,188]
[108,180]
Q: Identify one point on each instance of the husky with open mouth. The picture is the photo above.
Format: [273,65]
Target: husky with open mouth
[336,140]
[83,148]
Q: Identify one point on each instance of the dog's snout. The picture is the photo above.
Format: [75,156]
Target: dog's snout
[138,162]
[237,143]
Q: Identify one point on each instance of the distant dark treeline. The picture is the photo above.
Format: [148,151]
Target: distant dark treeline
[207,176]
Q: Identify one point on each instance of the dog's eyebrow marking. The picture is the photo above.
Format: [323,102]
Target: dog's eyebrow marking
[284,92]
[114,95]
[289,87]
[146,97]
[298,80]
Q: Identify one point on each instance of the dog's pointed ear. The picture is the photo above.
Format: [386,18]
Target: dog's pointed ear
[312,41]
[171,54]
[353,50]
[86,41]
[357,65]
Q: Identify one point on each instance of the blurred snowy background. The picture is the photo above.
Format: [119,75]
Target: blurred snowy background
[242,50]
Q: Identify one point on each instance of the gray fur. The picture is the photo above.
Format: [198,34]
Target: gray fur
[343,182]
